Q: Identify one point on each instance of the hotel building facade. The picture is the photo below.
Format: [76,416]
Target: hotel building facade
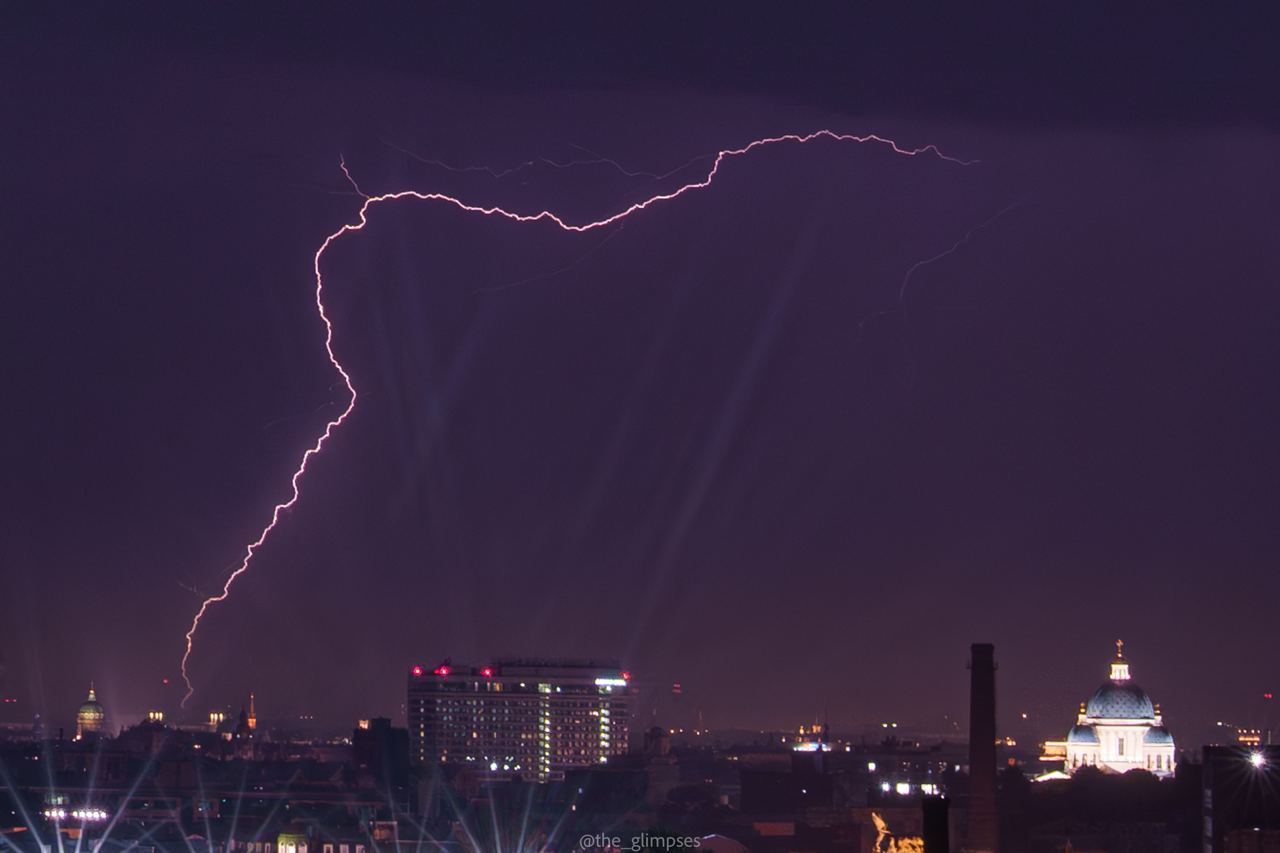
[529,718]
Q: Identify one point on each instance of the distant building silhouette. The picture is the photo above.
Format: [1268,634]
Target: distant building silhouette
[937,824]
[1241,799]
[382,751]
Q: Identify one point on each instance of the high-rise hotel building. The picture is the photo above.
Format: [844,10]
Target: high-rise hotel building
[531,718]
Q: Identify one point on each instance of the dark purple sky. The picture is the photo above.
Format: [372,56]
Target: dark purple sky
[685,448]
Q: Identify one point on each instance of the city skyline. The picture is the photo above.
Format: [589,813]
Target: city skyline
[537,754]
[679,706]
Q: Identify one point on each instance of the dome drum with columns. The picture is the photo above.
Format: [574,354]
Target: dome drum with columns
[1118,729]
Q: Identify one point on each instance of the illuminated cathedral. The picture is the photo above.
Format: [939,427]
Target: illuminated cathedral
[1117,730]
[91,717]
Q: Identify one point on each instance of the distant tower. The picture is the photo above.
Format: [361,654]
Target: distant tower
[91,718]
[253,715]
[983,834]
[243,731]
[243,737]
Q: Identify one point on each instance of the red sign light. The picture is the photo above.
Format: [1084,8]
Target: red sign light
[487,672]
[443,670]
[417,671]
[626,676]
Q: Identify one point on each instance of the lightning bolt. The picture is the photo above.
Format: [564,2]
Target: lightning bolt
[362,219]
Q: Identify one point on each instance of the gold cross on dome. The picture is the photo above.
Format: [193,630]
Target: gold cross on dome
[1119,648]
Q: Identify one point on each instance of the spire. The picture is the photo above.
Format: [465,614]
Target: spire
[253,714]
[92,696]
[1120,666]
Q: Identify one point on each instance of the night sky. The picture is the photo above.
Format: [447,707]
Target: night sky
[721,442]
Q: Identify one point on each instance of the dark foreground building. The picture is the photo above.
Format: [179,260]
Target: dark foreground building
[1241,799]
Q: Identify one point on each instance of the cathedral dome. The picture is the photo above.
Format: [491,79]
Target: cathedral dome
[91,716]
[1119,698]
[1082,734]
[1122,700]
[1119,729]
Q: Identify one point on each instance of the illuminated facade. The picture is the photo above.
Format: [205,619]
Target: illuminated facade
[1118,729]
[91,717]
[528,718]
[216,720]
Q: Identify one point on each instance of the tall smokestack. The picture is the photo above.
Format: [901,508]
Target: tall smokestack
[983,834]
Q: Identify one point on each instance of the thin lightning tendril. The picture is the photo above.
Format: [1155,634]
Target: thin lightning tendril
[342,163]
[968,236]
[362,220]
